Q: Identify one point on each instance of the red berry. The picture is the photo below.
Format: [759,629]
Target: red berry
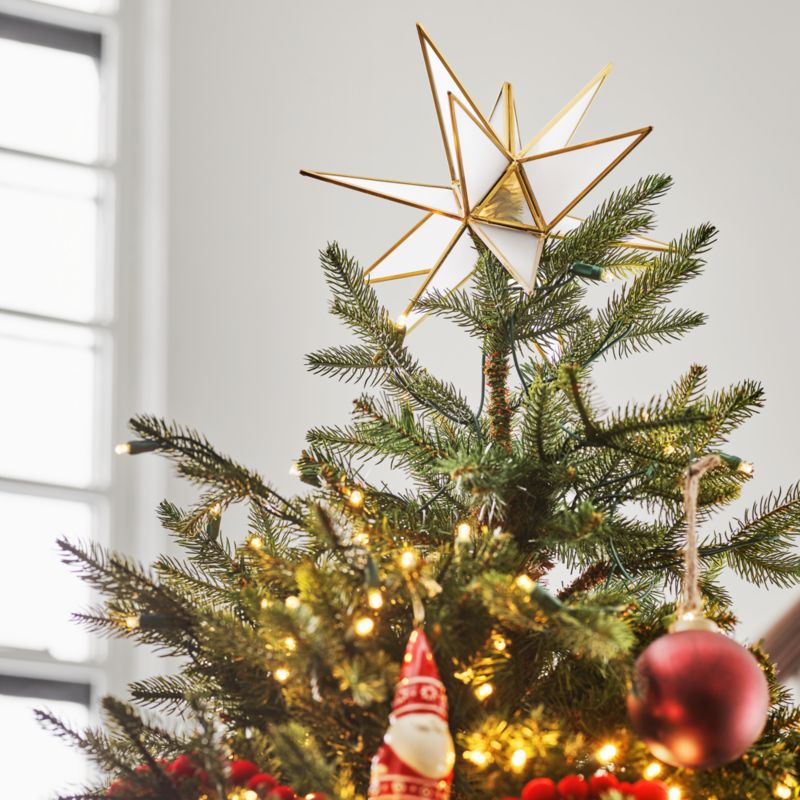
[600,784]
[539,789]
[262,780]
[650,790]
[118,789]
[182,767]
[283,793]
[573,787]
[626,789]
[241,771]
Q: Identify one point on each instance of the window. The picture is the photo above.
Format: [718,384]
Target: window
[57,337]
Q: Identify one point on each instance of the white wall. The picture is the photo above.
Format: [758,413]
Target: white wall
[260,89]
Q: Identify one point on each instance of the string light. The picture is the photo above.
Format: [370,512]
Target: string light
[256,542]
[290,643]
[215,510]
[484,690]
[652,770]
[135,447]
[375,598]
[526,583]
[518,759]
[408,559]
[783,791]
[607,753]
[364,626]
[674,793]
[249,794]
[264,602]
[133,622]
[401,321]
[294,469]
[476,757]
[282,674]
[499,643]
[356,498]
[463,532]
[361,539]
[746,468]
[292,602]
[122,449]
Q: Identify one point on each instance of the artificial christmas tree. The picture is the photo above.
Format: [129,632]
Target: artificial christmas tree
[293,640]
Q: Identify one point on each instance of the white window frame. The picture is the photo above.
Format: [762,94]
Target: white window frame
[131,318]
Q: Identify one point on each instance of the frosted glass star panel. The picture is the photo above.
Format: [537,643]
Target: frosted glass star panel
[558,180]
[50,100]
[49,238]
[38,764]
[426,197]
[500,118]
[48,403]
[481,162]
[559,131]
[443,84]
[418,251]
[519,251]
[31,526]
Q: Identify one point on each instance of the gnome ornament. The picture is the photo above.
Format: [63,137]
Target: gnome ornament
[415,761]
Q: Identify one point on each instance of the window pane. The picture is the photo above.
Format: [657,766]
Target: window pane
[37,764]
[49,241]
[47,406]
[94,6]
[49,99]
[31,526]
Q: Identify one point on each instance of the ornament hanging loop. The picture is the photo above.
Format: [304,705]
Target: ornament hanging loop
[690,611]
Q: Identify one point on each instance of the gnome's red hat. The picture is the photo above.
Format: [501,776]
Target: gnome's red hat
[420,689]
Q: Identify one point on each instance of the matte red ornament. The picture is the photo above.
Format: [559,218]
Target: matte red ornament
[600,784]
[539,789]
[650,790]
[625,788]
[182,767]
[573,787]
[241,771]
[698,699]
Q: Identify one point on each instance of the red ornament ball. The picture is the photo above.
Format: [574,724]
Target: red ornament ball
[182,767]
[263,781]
[573,787]
[698,699]
[600,784]
[650,790]
[539,789]
[241,771]
[283,793]
[625,789]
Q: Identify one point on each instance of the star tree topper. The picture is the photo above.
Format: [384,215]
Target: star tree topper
[511,197]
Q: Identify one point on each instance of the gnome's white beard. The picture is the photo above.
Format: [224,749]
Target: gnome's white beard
[423,742]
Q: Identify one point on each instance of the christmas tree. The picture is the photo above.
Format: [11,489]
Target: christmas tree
[422,604]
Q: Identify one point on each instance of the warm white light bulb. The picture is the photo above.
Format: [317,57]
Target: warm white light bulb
[607,753]
[356,498]
[292,602]
[375,598]
[401,321]
[674,793]
[518,759]
[484,690]
[408,559]
[281,674]
[463,532]
[364,626]
[526,583]
[290,643]
[652,770]
[122,449]
[783,791]
[133,622]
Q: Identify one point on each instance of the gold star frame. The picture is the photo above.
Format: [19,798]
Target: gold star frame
[510,197]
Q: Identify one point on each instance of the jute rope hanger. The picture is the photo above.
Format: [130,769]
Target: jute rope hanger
[691,607]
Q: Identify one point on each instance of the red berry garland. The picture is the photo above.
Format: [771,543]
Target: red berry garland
[241,774]
[598,787]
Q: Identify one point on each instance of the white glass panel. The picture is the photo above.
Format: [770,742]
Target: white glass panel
[429,198]
[507,203]
[560,130]
[442,86]
[557,180]
[518,251]
[31,526]
[49,99]
[37,764]
[47,406]
[419,250]
[452,273]
[92,6]
[499,119]
[49,235]
[482,161]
